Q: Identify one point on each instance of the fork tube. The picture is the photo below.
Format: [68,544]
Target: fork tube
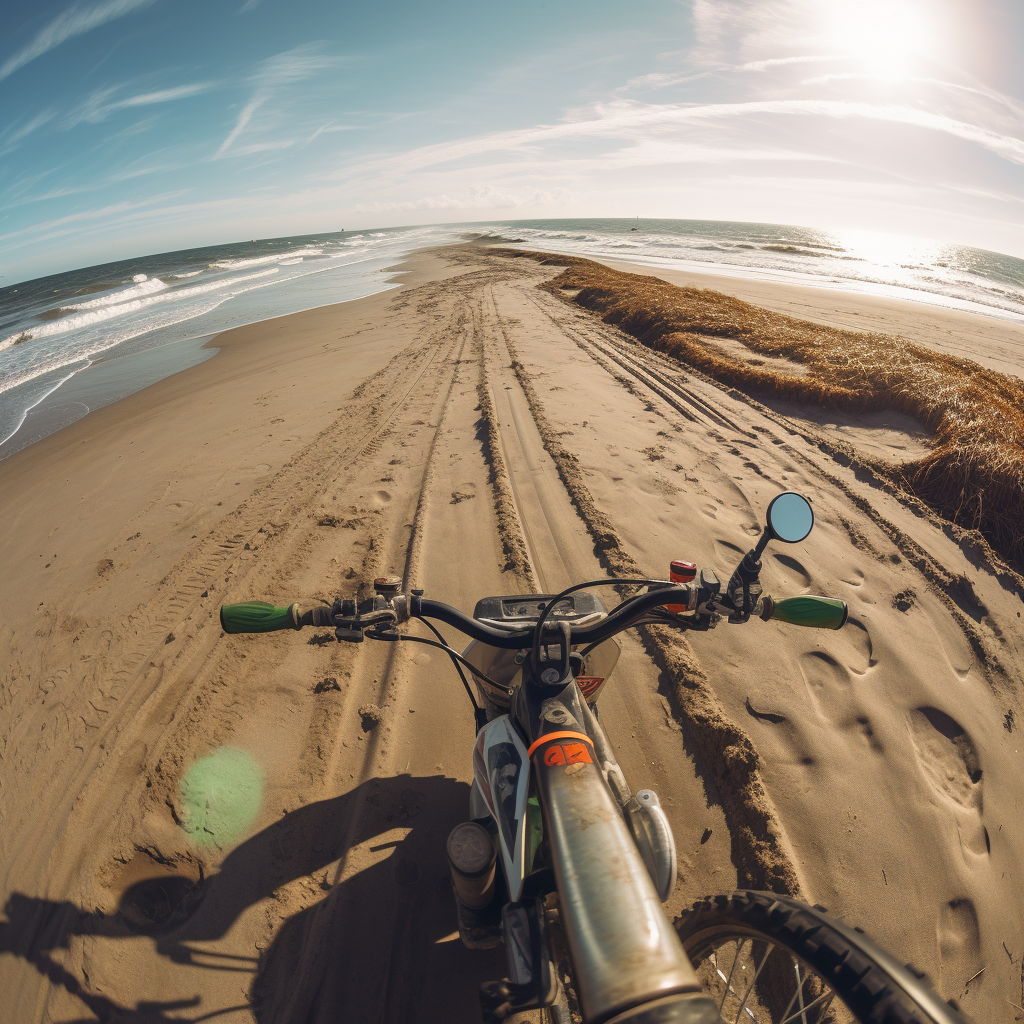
[624,950]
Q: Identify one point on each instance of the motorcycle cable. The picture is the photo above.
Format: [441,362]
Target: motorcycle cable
[455,661]
[605,582]
[652,617]
[451,652]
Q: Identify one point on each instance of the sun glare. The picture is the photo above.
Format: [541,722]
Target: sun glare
[887,249]
[887,36]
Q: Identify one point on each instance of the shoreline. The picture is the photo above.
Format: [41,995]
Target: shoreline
[998,342]
[135,371]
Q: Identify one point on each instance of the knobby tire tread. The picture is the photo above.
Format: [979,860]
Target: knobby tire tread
[864,985]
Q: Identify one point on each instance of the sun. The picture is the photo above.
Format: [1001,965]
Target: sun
[887,37]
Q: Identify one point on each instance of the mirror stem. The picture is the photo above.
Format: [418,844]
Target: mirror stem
[762,543]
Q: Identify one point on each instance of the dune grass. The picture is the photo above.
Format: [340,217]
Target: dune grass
[974,473]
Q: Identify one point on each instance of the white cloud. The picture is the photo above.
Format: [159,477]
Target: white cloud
[166,95]
[75,21]
[278,71]
[243,119]
[618,118]
[13,136]
[476,198]
[87,215]
[101,104]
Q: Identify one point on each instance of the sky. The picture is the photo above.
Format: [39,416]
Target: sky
[130,127]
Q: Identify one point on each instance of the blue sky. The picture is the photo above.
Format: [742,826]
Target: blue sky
[137,126]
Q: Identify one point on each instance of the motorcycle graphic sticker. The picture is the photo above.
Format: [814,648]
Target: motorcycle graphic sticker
[500,757]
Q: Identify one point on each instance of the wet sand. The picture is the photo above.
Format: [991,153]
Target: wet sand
[318,450]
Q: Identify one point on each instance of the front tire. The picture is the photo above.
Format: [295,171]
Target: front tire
[769,959]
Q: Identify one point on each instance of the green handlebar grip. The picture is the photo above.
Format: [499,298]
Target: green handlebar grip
[822,612]
[255,617]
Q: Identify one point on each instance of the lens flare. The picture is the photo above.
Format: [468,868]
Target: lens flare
[221,794]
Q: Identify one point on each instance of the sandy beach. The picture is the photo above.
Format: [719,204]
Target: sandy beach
[477,435]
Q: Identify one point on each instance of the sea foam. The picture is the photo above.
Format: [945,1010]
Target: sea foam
[71,323]
[255,261]
[147,286]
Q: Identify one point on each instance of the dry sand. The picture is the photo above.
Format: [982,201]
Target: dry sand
[474,435]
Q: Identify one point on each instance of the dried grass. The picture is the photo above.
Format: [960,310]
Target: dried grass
[974,474]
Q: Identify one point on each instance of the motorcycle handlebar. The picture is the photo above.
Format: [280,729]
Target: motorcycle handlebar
[257,617]
[819,612]
[261,617]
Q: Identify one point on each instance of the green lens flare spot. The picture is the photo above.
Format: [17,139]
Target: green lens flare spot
[221,796]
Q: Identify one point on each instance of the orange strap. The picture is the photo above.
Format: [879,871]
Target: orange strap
[558,736]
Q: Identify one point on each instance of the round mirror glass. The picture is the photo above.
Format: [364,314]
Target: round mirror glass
[790,517]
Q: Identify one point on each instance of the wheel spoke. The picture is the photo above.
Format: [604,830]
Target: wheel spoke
[802,1012]
[728,981]
[824,1009]
[801,1008]
[753,980]
[799,986]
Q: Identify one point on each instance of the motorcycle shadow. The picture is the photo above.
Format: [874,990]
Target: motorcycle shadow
[382,943]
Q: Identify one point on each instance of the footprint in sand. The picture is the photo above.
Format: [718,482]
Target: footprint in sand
[857,636]
[828,684]
[852,577]
[736,505]
[947,756]
[954,645]
[727,555]
[382,497]
[868,733]
[959,945]
[795,570]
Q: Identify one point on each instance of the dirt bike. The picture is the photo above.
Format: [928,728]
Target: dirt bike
[559,861]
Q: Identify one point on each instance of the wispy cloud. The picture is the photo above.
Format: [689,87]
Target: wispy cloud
[663,79]
[13,137]
[179,92]
[101,104]
[243,119]
[985,93]
[75,21]
[249,5]
[482,197]
[88,215]
[274,74]
[618,118]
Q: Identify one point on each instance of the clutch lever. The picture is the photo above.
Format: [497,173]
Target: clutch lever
[350,620]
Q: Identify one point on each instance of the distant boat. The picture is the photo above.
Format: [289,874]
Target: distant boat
[637,228]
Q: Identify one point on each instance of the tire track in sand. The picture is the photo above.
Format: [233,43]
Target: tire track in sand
[395,823]
[290,498]
[729,759]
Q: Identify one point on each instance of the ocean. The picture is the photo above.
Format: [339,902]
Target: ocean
[159,310]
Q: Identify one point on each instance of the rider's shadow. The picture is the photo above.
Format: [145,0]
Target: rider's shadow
[378,946]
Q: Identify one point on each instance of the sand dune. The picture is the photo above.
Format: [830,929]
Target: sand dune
[474,434]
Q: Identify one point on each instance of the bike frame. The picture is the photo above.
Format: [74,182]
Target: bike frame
[623,948]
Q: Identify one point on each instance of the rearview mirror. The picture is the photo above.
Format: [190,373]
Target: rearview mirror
[789,517]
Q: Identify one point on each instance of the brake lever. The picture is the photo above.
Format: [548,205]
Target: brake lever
[379,614]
